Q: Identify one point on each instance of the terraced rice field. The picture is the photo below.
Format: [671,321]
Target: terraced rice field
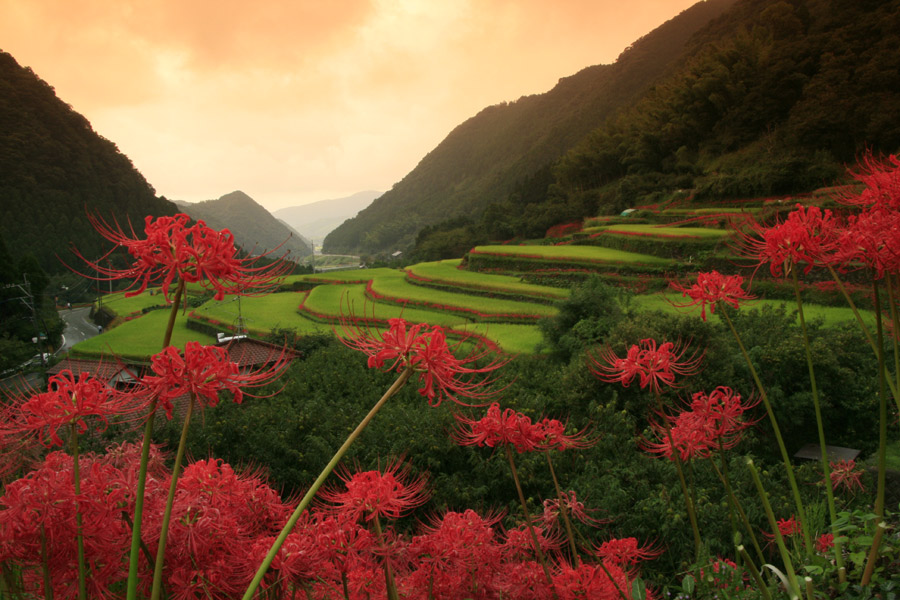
[571,254]
[476,308]
[446,273]
[140,338]
[662,232]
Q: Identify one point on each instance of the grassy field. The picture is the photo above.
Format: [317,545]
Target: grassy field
[669,232]
[446,272]
[347,275]
[261,315]
[400,290]
[333,300]
[123,306]
[831,315]
[593,254]
[140,338]
[512,338]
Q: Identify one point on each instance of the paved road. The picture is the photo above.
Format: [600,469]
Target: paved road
[79,327]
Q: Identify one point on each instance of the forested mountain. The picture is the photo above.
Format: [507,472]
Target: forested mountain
[481,161]
[769,97]
[253,227]
[54,168]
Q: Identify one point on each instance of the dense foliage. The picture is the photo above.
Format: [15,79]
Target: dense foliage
[54,168]
[26,310]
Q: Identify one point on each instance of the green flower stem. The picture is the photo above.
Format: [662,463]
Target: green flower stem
[528,523]
[754,572]
[826,467]
[882,409]
[45,566]
[79,531]
[895,387]
[170,501]
[689,504]
[782,549]
[895,337]
[873,554]
[810,590]
[723,477]
[304,503]
[390,586]
[564,512]
[788,467]
[135,552]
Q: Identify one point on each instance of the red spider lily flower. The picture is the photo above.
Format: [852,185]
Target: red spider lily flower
[595,581]
[204,372]
[519,544]
[217,516]
[174,249]
[845,474]
[809,235]
[710,289]
[573,507]
[870,238]
[426,352]
[556,438]
[39,510]
[786,527]
[654,366]
[457,556]
[725,575]
[498,428]
[625,552]
[373,494]
[825,542]
[881,178]
[70,400]
[714,422]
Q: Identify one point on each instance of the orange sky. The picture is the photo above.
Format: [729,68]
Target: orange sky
[305,100]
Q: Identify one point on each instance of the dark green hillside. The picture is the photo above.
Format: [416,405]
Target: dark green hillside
[253,227]
[54,166]
[481,160]
[777,98]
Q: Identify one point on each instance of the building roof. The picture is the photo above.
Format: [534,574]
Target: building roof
[247,352]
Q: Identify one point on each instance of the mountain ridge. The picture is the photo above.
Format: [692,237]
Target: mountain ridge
[481,159]
[254,228]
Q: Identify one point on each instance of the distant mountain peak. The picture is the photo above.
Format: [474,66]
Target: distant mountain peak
[254,228]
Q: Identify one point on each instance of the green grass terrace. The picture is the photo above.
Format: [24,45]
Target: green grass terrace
[446,274]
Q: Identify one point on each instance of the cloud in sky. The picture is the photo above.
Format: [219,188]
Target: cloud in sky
[294,101]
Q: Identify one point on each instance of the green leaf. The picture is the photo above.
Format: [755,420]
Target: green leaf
[688,584]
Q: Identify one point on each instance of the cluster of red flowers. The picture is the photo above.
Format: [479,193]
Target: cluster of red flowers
[224,522]
[844,474]
[202,372]
[508,427]
[70,401]
[714,422]
[655,366]
[424,351]
[710,289]
[174,249]
[814,237]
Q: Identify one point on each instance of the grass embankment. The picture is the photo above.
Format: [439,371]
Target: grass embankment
[330,302]
[477,308]
[575,254]
[662,232]
[260,315]
[446,273]
[140,338]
